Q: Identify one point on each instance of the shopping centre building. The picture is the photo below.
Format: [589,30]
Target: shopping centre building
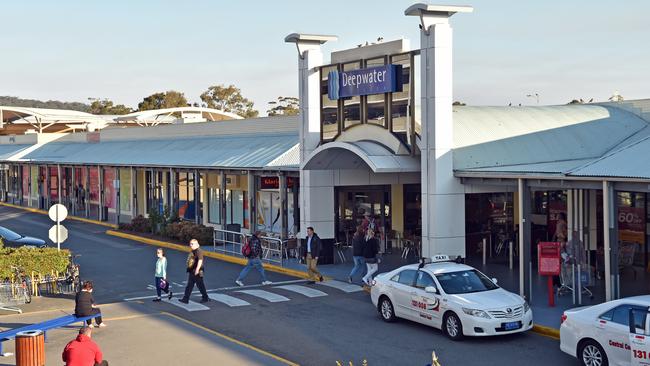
[378,139]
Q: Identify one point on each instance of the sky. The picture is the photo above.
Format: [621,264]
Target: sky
[125,50]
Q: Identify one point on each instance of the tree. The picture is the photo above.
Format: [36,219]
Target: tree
[10,101]
[105,106]
[168,99]
[284,106]
[228,99]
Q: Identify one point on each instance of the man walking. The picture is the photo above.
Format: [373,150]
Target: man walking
[195,273]
[254,254]
[310,253]
[82,351]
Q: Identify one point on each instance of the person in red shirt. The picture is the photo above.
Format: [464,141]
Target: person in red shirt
[82,351]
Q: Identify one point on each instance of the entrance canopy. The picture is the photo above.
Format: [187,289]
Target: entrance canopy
[354,155]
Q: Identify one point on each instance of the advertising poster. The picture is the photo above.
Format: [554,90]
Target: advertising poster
[631,224]
[94,185]
[125,190]
[110,193]
[34,178]
[25,181]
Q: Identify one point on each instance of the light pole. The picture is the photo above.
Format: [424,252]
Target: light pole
[534,95]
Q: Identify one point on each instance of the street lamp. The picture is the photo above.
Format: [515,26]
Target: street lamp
[534,95]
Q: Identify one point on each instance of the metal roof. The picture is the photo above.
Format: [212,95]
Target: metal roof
[632,161]
[210,114]
[490,137]
[354,155]
[232,151]
[7,151]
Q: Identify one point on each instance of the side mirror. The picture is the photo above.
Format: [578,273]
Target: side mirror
[431,289]
[494,280]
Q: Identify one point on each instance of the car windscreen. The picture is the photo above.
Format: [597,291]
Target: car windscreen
[8,234]
[463,282]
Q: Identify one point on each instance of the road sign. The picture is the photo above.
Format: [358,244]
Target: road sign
[58,212]
[60,236]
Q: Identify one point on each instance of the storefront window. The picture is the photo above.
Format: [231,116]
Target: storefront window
[376,103]
[400,101]
[329,108]
[214,209]
[186,201]
[351,105]
[125,190]
[631,227]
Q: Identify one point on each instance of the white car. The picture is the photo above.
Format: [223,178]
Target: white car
[603,334]
[450,296]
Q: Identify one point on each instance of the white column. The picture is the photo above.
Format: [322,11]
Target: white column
[316,187]
[607,221]
[443,196]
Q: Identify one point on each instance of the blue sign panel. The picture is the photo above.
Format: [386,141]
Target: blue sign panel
[373,80]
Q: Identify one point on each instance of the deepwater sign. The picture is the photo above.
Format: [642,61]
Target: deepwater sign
[373,80]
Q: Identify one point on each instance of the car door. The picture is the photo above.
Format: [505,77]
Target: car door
[401,288]
[614,333]
[426,304]
[639,323]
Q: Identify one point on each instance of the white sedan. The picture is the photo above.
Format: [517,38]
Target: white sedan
[450,296]
[613,333]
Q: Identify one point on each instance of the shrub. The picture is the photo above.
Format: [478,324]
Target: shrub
[141,224]
[39,260]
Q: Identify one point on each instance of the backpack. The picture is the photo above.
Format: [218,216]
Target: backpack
[246,250]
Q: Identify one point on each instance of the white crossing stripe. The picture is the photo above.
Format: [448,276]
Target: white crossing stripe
[268,296]
[303,290]
[228,300]
[191,306]
[345,287]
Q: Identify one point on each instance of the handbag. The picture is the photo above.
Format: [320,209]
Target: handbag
[164,285]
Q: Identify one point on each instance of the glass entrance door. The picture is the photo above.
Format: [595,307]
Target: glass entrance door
[356,204]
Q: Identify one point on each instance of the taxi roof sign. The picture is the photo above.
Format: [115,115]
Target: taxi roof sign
[440,258]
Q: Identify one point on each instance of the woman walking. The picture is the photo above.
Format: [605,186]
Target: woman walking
[357,253]
[161,275]
[370,251]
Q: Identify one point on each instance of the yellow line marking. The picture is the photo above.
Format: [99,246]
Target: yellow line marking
[126,317]
[546,331]
[219,256]
[243,344]
[43,212]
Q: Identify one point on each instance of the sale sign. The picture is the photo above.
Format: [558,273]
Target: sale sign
[548,254]
[631,224]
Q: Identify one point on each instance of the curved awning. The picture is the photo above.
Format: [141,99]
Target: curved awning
[355,155]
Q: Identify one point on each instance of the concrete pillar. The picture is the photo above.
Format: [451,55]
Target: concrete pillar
[197,196]
[222,198]
[524,204]
[284,222]
[443,197]
[100,177]
[252,201]
[316,187]
[610,242]
[46,191]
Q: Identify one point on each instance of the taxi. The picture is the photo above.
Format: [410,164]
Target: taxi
[451,296]
[613,333]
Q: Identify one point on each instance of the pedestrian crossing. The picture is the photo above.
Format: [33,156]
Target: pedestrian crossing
[237,297]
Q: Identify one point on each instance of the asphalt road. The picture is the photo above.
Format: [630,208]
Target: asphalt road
[307,330]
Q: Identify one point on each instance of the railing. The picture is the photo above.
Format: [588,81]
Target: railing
[231,243]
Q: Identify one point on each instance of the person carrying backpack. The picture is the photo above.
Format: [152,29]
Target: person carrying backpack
[252,250]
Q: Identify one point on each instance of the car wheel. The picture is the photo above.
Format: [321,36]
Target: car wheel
[452,327]
[386,310]
[592,354]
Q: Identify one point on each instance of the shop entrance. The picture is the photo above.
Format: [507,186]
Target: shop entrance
[359,203]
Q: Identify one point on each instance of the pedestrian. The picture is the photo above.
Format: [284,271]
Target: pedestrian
[357,253]
[254,254]
[195,272]
[84,305]
[310,252]
[161,275]
[370,251]
[82,351]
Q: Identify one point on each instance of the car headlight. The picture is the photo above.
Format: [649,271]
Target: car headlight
[526,307]
[476,312]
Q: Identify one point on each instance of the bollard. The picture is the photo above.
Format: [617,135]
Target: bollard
[30,348]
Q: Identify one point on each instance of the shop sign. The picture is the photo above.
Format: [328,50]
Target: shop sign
[548,254]
[274,182]
[372,80]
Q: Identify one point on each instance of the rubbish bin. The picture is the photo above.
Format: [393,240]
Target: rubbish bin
[30,348]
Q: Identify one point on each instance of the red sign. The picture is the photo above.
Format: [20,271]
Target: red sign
[548,255]
[274,182]
[631,224]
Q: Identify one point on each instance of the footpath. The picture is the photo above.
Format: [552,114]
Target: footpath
[136,335]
